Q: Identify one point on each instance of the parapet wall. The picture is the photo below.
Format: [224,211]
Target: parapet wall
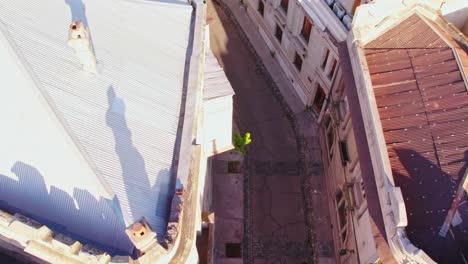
[35,242]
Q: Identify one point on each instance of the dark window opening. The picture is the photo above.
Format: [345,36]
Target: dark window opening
[306,29]
[233,250]
[261,7]
[330,136]
[324,63]
[341,206]
[319,99]
[342,214]
[298,62]
[278,33]
[284,5]
[344,151]
[333,69]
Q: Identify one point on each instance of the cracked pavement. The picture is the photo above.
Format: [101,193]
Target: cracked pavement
[275,229]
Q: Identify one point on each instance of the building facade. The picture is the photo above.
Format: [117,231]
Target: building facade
[304,37]
[309,41]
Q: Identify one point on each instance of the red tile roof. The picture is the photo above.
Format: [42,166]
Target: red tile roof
[423,105]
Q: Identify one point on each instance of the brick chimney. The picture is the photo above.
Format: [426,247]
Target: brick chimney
[78,39]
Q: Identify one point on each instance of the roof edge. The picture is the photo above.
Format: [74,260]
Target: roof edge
[188,172]
[390,197]
[375,19]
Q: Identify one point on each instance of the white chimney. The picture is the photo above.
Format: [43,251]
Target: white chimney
[142,236]
[78,39]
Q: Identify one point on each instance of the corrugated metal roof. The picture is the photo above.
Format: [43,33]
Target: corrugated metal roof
[216,83]
[423,105]
[126,117]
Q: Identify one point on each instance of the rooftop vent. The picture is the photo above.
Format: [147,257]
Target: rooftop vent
[78,39]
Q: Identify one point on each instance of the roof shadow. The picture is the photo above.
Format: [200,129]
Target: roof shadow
[78,11]
[72,216]
[428,192]
[140,193]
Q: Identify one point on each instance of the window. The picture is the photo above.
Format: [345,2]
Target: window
[261,7]
[341,88]
[324,63]
[333,69]
[359,193]
[306,29]
[330,135]
[319,99]
[343,108]
[278,33]
[298,62]
[284,5]
[344,151]
[233,250]
[342,215]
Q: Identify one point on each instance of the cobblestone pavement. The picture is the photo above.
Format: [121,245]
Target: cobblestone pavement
[279,175]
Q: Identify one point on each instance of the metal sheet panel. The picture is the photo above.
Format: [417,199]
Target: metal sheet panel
[126,117]
[423,110]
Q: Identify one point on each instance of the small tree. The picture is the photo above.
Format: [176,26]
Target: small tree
[241,141]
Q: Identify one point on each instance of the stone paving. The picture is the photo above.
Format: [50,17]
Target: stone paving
[282,169]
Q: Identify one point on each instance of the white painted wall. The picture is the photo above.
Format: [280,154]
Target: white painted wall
[217,124]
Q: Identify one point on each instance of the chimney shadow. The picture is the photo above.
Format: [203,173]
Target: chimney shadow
[428,192]
[81,216]
[78,11]
[140,193]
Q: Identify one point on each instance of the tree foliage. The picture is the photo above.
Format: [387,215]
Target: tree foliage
[241,141]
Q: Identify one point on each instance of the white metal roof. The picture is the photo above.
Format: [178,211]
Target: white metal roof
[123,121]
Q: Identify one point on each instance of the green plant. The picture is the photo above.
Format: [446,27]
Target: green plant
[241,141]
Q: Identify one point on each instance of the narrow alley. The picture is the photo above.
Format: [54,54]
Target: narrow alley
[278,175]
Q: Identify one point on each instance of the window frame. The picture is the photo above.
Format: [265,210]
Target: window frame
[344,152]
[329,131]
[342,215]
[306,32]
[279,37]
[261,8]
[298,61]
[325,58]
[333,68]
[323,95]
[284,5]
[359,196]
